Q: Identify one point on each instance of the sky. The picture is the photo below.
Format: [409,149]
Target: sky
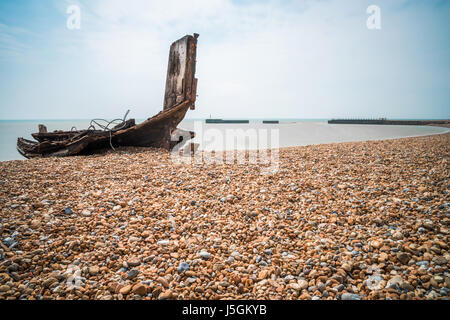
[256,59]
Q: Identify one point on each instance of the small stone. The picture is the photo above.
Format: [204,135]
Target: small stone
[86,213]
[165,295]
[263,274]
[339,278]
[321,287]
[350,296]
[35,224]
[347,267]
[164,242]
[163,282]
[183,267]
[125,290]
[9,242]
[394,282]
[374,282]
[139,289]
[428,224]
[4,288]
[294,286]
[190,273]
[378,221]
[376,244]
[434,283]
[403,257]
[112,286]
[204,255]
[47,283]
[132,274]
[440,260]
[303,284]
[134,263]
[383,257]
[235,254]
[339,287]
[15,276]
[93,271]
[397,235]
[12,268]
[406,286]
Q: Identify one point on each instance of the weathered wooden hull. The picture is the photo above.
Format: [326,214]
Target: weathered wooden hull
[159,131]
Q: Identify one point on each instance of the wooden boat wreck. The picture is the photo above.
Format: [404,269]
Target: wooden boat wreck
[159,131]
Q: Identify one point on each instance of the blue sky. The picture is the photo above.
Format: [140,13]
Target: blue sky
[256,59]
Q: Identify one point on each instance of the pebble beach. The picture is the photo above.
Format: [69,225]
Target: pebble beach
[345,221]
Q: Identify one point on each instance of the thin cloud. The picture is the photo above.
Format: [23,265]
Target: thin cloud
[292,59]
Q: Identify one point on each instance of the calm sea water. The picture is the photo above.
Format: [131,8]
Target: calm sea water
[292,132]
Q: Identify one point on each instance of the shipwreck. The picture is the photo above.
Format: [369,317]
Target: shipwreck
[159,131]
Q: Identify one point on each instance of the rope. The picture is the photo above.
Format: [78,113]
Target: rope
[119,124]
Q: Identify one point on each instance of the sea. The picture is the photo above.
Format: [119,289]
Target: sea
[288,133]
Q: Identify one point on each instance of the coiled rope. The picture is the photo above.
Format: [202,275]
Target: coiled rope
[104,125]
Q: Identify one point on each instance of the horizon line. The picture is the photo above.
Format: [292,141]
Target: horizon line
[232,118]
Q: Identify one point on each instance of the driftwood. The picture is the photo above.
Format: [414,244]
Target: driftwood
[159,131]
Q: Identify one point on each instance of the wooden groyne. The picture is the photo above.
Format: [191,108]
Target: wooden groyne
[271,121]
[390,122]
[226,121]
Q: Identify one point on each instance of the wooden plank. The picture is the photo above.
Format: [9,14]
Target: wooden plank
[181,83]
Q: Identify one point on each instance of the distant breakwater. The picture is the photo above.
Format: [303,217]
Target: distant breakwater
[389,122]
